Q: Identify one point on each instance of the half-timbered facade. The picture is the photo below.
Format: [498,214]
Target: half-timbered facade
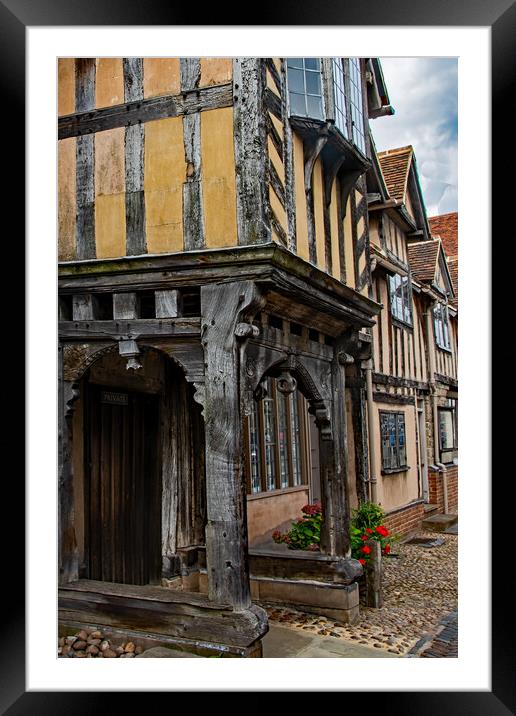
[216,308]
[412,418]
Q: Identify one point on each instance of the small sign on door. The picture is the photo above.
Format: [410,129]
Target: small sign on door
[112,398]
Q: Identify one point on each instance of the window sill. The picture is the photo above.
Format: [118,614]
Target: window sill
[401,324]
[443,348]
[395,470]
[275,493]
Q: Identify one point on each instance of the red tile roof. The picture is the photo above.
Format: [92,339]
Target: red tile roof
[453,268]
[395,165]
[446,226]
[423,259]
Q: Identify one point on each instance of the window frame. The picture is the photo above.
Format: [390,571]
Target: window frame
[440,313]
[454,448]
[407,293]
[399,467]
[306,94]
[275,396]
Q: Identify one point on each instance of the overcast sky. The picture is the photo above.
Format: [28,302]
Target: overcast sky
[423,92]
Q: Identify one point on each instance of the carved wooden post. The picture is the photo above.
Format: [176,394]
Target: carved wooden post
[373,576]
[333,452]
[68,553]
[226,530]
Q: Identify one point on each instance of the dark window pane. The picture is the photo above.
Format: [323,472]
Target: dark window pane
[312,63]
[298,105]
[313,83]
[295,62]
[296,81]
[314,107]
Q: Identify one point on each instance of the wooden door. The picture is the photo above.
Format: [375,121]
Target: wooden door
[123,489]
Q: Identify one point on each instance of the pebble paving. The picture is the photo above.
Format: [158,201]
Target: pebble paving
[420,588]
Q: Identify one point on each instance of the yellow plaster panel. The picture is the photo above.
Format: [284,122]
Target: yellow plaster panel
[65,85]
[165,170]
[218,170]
[401,488]
[110,225]
[278,210]
[110,161]
[161,76]
[109,82]
[360,227]
[66,199]
[278,125]
[216,71]
[349,254]
[277,63]
[301,219]
[270,83]
[334,225]
[319,214]
[276,160]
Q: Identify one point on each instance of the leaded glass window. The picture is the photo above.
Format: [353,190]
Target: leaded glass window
[393,440]
[277,441]
[339,93]
[441,327]
[400,298]
[305,87]
[356,103]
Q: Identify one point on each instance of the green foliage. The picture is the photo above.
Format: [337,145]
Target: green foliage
[368,514]
[367,525]
[305,532]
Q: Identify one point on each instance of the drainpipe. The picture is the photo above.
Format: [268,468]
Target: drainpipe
[431,381]
[373,493]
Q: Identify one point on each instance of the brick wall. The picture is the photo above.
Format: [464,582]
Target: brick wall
[405,520]
[436,489]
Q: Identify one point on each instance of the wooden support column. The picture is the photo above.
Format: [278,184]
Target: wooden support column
[333,460]
[223,339]
[68,552]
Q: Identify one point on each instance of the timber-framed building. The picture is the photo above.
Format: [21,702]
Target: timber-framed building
[216,312]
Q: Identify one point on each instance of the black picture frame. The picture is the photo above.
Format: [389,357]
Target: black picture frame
[15,16]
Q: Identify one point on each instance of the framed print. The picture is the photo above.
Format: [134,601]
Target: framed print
[277,447]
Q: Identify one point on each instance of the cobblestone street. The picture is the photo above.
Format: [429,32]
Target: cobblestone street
[420,590]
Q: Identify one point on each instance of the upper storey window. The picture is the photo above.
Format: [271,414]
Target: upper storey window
[357,103]
[441,328]
[399,290]
[305,87]
[339,93]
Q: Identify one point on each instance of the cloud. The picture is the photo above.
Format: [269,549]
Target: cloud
[423,92]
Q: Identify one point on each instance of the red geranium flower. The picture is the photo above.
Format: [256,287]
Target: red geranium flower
[365,549]
[387,549]
[369,531]
[382,530]
[364,537]
[362,561]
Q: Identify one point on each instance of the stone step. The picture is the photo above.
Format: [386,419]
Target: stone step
[439,523]
[430,509]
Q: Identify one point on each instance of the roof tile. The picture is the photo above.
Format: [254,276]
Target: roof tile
[423,259]
[395,165]
[446,226]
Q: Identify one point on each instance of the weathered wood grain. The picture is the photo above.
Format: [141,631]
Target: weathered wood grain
[83,307]
[134,190]
[85,186]
[155,328]
[288,162]
[146,110]
[161,611]
[193,213]
[226,531]
[68,550]
[85,72]
[166,303]
[133,79]
[125,306]
[190,70]
[250,136]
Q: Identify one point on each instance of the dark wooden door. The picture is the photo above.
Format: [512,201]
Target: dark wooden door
[123,489]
